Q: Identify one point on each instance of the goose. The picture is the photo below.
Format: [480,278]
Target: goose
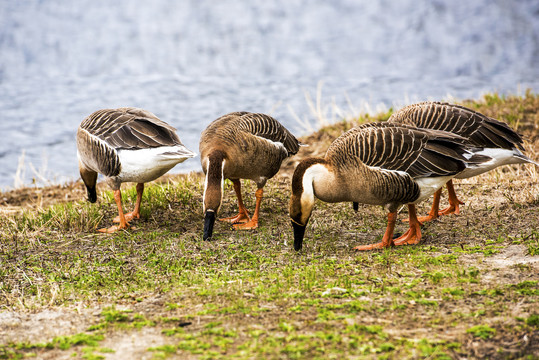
[126,145]
[495,139]
[379,164]
[241,145]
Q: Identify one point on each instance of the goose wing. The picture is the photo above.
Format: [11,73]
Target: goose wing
[418,152]
[481,130]
[268,128]
[130,128]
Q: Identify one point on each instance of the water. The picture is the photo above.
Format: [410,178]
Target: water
[191,61]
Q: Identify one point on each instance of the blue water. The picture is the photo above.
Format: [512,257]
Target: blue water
[191,61]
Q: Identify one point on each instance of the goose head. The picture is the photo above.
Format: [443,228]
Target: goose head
[212,201]
[89,178]
[213,190]
[301,204]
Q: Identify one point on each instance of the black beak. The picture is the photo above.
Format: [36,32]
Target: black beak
[355,205]
[299,232]
[92,194]
[209,220]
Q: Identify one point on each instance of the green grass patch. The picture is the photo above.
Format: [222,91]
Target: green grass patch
[482,331]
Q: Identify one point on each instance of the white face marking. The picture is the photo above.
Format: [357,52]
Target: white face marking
[307,196]
[311,175]
[204,194]
[222,177]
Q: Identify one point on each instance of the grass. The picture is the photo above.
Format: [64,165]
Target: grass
[470,289]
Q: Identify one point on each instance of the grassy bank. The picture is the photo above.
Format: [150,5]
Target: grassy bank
[470,289]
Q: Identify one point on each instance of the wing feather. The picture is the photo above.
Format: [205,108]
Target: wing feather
[267,127]
[418,152]
[130,128]
[481,130]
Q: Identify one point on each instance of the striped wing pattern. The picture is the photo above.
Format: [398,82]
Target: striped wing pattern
[130,128]
[481,130]
[392,147]
[267,127]
[97,155]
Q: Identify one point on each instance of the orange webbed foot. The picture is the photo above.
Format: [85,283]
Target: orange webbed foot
[410,237]
[454,202]
[379,245]
[250,225]
[427,218]
[128,217]
[451,209]
[424,219]
[238,219]
[387,239]
[113,229]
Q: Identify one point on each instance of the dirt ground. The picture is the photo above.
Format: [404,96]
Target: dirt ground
[482,196]
[499,190]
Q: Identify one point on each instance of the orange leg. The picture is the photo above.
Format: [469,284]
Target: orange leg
[433,214]
[243,215]
[387,240]
[413,235]
[454,202]
[253,223]
[135,214]
[123,223]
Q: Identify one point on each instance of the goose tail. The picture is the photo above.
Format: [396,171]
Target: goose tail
[178,152]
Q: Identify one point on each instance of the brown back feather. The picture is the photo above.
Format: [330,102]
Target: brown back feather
[481,130]
[130,128]
[393,147]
